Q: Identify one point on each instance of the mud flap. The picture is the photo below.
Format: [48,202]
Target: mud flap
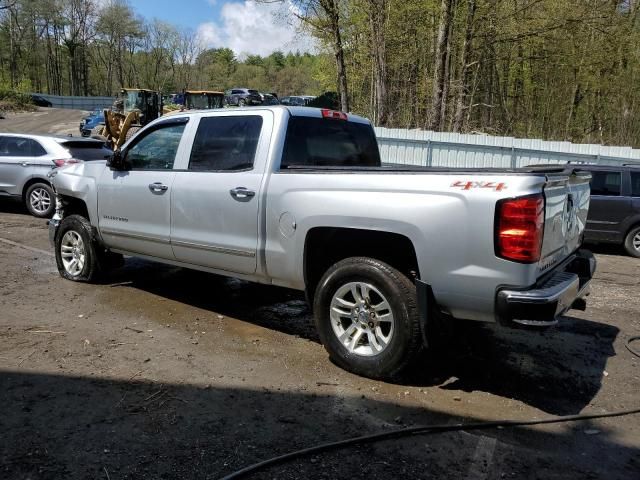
[423,294]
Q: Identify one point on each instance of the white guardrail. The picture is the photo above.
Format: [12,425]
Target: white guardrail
[454,150]
[77,103]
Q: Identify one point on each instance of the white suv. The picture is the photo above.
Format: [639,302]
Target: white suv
[25,161]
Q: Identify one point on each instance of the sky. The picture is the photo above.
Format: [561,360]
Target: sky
[244,26]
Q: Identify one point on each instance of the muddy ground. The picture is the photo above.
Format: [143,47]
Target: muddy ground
[161,372]
[165,373]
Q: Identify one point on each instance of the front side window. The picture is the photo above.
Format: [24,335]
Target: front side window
[635,184]
[20,147]
[606,183]
[156,150]
[225,143]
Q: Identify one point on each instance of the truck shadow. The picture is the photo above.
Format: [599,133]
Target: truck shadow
[558,370]
[72,427]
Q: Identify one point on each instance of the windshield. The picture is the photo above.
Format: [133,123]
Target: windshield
[253,92]
[132,100]
[197,102]
[204,101]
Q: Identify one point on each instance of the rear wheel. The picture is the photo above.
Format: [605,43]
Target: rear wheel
[40,200]
[632,242]
[367,317]
[77,253]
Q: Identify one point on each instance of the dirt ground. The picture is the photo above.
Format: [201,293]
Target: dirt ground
[56,121]
[165,373]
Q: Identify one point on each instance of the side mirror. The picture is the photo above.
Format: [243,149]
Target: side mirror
[117,161]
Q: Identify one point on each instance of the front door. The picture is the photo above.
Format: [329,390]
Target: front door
[134,205]
[215,202]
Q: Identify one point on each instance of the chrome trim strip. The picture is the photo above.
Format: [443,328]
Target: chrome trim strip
[106,231]
[213,248]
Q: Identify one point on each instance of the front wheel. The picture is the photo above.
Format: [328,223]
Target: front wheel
[242,102]
[367,317]
[632,242]
[77,255]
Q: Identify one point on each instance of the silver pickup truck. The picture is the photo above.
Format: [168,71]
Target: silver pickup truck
[298,197]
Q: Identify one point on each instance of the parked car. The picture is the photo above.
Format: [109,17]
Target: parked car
[25,161]
[88,123]
[40,101]
[297,100]
[269,99]
[614,214]
[387,256]
[242,97]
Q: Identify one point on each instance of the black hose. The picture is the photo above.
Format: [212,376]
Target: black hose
[422,430]
[628,346]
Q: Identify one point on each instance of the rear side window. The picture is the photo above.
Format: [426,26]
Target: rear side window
[635,184]
[322,142]
[88,151]
[20,147]
[606,183]
[225,143]
[237,92]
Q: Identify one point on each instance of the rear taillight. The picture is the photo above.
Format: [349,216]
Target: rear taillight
[65,161]
[334,114]
[519,227]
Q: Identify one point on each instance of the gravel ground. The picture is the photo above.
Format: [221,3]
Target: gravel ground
[53,121]
[161,372]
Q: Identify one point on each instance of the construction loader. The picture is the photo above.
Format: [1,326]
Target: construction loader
[132,110]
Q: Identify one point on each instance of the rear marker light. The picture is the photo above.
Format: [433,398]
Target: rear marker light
[334,114]
[519,228]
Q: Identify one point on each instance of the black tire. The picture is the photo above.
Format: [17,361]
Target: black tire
[405,344]
[242,102]
[633,237]
[91,266]
[40,200]
[131,132]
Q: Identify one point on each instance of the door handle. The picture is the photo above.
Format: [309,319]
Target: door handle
[158,187]
[242,194]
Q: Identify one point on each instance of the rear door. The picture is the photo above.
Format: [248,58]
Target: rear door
[609,207]
[216,200]
[134,206]
[21,159]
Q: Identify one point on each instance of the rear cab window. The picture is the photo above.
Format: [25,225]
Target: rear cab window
[327,142]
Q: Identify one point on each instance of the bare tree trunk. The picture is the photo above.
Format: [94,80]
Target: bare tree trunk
[331,8]
[463,91]
[377,22]
[446,14]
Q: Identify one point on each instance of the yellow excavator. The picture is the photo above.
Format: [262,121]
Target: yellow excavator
[132,110]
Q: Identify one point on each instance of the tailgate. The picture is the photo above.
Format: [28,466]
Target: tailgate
[566,207]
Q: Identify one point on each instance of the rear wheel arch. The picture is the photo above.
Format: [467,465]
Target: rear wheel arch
[326,246]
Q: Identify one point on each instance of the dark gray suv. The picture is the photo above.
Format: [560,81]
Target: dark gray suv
[242,97]
[614,212]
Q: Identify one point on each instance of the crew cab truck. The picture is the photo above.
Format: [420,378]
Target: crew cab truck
[298,197]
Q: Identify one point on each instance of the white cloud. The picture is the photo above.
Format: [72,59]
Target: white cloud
[248,27]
